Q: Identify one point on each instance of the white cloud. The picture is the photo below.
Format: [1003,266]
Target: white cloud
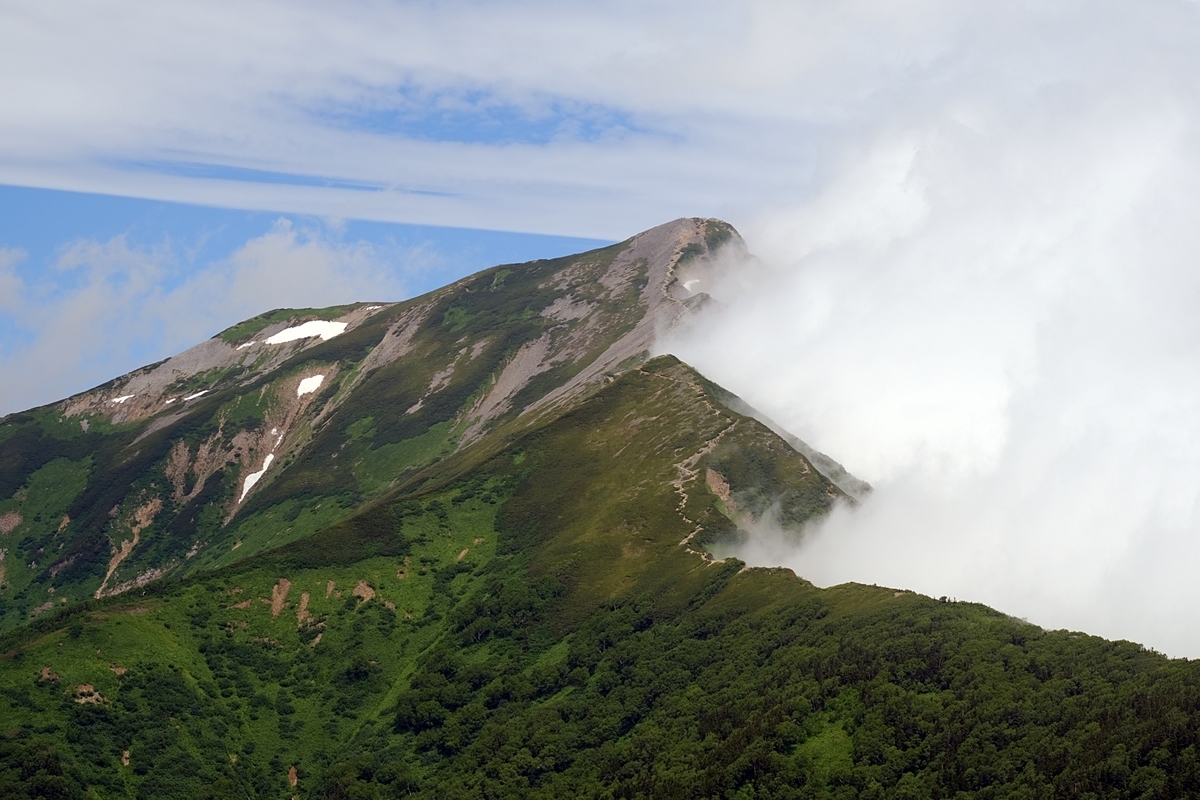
[989,311]
[11,285]
[287,268]
[717,108]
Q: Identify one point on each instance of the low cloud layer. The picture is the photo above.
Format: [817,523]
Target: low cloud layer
[989,310]
[108,306]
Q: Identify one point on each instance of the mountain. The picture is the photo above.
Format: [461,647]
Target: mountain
[461,546]
[286,423]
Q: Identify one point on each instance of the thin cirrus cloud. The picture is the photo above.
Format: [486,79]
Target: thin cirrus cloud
[589,120]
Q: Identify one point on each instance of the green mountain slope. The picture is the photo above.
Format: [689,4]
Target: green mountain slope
[477,566]
[289,422]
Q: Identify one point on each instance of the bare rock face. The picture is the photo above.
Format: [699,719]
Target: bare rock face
[641,281]
[657,254]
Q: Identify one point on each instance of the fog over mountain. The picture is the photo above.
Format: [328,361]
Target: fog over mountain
[989,311]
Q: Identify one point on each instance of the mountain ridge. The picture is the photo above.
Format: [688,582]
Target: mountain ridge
[207,451]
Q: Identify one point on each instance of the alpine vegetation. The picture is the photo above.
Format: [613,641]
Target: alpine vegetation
[478,544]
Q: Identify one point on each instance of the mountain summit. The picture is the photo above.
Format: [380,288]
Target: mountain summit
[289,422]
[461,546]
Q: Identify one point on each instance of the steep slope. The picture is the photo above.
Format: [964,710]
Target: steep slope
[611,499]
[287,423]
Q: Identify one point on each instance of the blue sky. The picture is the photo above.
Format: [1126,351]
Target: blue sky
[977,283]
[95,285]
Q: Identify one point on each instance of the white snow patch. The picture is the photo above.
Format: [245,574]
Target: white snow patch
[371,308]
[316,327]
[194,396]
[122,399]
[309,385]
[274,431]
[172,400]
[247,344]
[253,477]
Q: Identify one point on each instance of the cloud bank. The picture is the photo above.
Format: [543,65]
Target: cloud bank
[989,310]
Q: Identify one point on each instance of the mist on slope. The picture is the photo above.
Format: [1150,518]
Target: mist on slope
[988,308]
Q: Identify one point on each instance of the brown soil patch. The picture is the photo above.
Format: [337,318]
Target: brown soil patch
[244,604]
[236,545]
[293,779]
[478,540]
[719,486]
[328,589]
[62,526]
[316,640]
[60,566]
[463,554]
[125,758]
[85,693]
[390,605]
[177,468]
[279,596]
[49,675]
[42,609]
[364,590]
[9,521]
[141,580]
[302,612]
[234,590]
[143,516]
[211,455]
[117,669]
